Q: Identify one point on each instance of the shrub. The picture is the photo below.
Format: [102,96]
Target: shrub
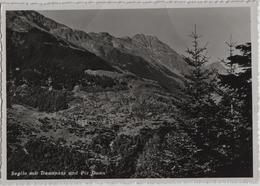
[43,99]
[46,155]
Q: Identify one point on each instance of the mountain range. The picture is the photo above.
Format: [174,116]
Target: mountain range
[38,41]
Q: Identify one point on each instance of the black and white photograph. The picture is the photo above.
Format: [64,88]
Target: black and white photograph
[129,93]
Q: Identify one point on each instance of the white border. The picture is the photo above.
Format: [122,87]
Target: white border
[131,4]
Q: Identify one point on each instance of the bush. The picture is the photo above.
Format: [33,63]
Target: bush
[45,155]
[169,154]
[43,99]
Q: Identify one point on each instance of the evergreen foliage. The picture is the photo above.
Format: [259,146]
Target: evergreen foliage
[236,109]
[220,130]
[42,99]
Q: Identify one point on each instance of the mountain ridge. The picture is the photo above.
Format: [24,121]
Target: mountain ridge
[147,61]
[141,41]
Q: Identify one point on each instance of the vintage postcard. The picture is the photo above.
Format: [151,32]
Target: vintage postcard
[160,91]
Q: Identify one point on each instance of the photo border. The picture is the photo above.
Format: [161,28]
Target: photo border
[133,5]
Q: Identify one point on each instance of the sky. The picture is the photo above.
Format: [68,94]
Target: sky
[172,26]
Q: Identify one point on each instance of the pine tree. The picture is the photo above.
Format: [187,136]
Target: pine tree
[199,84]
[237,92]
[240,81]
[200,109]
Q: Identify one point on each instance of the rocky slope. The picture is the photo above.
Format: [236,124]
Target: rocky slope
[100,131]
[218,67]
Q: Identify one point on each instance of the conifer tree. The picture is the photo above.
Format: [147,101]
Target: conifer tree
[237,91]
[239,81]
[200,83]
[200,107]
